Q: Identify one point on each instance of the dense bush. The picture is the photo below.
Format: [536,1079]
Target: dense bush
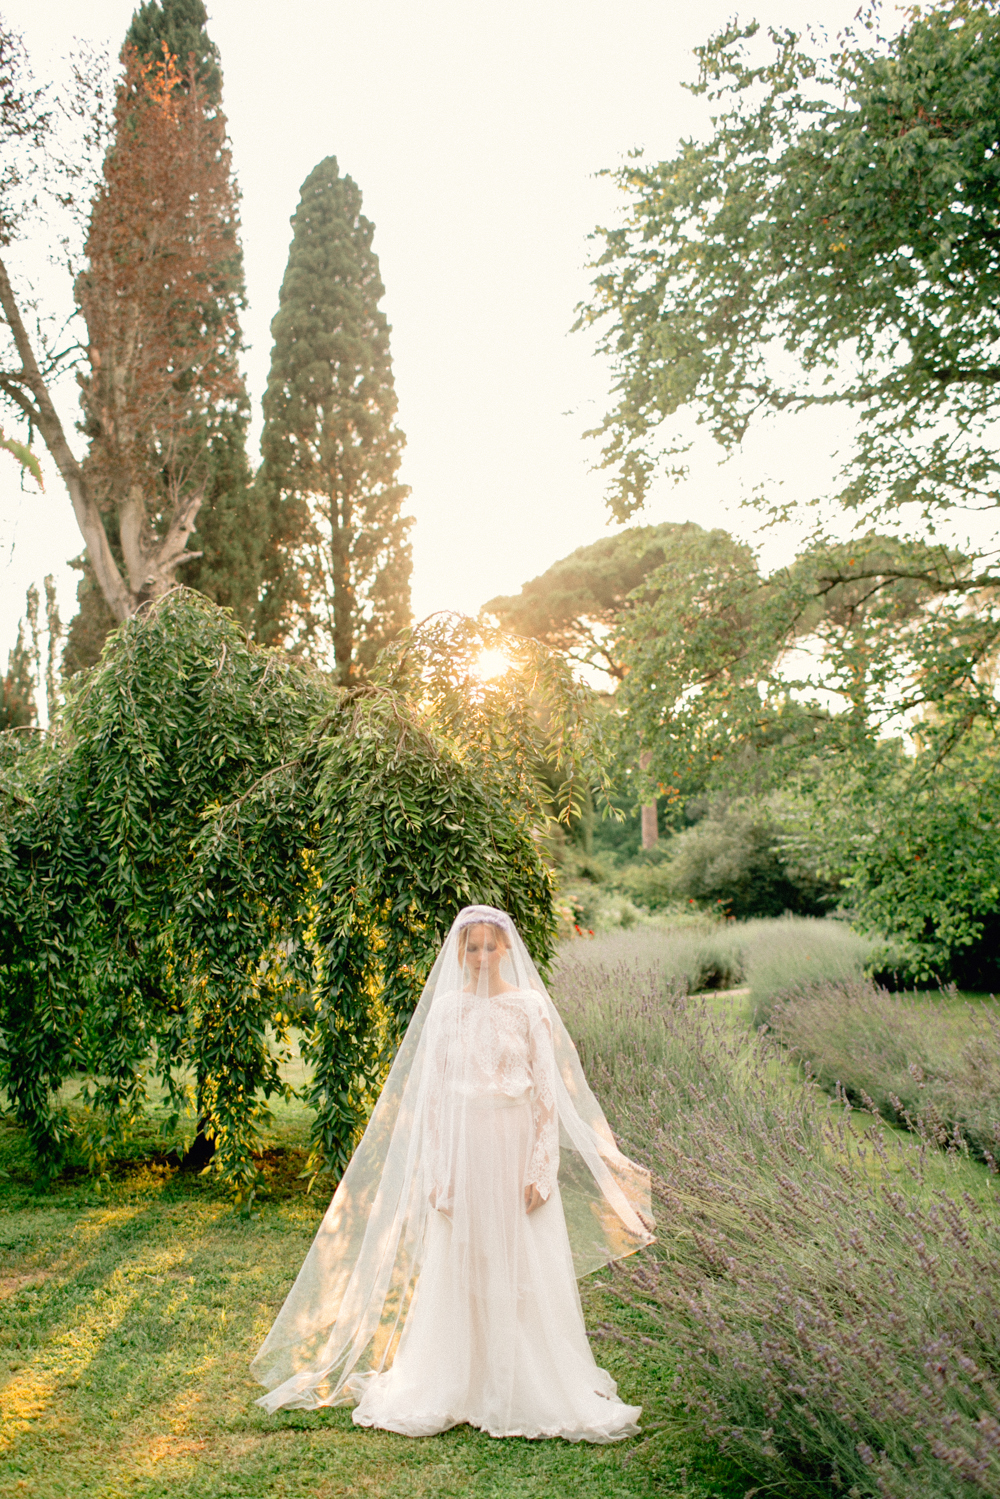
[826,1311]
[647,881]
[216,836]
[734,860]
[913,840]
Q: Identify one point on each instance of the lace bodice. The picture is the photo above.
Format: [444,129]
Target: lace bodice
[498,1047]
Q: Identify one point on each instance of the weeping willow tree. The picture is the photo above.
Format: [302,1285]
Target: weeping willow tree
[219,839]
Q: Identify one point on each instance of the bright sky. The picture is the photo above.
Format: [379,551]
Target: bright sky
[475,132]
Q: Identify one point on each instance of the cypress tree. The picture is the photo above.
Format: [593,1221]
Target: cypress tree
[210,449]
[181,25]
[231,528]
[18,708]
[17,688]
[339,565]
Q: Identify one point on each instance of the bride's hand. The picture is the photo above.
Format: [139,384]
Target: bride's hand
[437,1199]
[532,1198]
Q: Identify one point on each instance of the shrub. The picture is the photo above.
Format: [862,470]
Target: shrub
[649,884]
[829,1319]
[214,835]
[914,837]
[782,955]
[901,1061]
[773,957]
[734,859]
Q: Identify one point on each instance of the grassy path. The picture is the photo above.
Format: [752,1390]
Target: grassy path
[127,1319]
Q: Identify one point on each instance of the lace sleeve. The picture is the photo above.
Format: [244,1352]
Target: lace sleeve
[543,1167]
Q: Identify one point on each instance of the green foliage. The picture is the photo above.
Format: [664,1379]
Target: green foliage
[701,632]
[913,840]
[24,456]
[181,25]
[232,526]
[220,837]
[843,207]
[577,605]
[735,860]
[712,688]
[647,882]
[339,561]
[832,241]
[92,623]
[896,632]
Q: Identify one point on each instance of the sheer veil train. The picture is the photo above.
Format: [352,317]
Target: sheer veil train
[441,1285]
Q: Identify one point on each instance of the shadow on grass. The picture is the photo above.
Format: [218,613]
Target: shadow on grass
[132,1309]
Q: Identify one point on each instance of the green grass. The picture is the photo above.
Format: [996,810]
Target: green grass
[129,1312]
[130,1308]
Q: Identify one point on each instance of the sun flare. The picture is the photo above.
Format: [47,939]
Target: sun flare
[491,664]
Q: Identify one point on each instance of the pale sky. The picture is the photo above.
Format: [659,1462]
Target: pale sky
[475,132]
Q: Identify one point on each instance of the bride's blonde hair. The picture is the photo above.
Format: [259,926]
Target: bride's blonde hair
[503,939]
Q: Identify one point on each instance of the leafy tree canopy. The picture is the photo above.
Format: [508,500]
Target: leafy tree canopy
[912,842]
[843,213]
[219,838]
[181,26]
[833,241]
[736,677]
[575,606]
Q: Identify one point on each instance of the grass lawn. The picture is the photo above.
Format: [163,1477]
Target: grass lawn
[130,1308]
[129,1313]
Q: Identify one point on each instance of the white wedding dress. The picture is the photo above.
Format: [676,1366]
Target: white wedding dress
[495,1334]
[431,1296]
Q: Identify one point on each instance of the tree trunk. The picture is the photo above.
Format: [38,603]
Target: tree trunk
[343,593]
[151,564]
[28,390]
[650,823]
[200,1151]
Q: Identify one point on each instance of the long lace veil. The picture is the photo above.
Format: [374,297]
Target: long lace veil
[341,1321]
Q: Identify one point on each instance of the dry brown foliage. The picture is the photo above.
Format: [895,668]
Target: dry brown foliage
[161,296]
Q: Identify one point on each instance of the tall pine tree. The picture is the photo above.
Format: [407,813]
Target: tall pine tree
[199,451]
[339,564]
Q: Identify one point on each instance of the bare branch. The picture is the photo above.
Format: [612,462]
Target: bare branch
[47,420]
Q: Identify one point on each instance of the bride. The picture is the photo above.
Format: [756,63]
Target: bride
[441,1286]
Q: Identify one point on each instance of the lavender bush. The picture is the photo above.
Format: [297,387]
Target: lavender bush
[902,1058]
[770,957]
[827,1293]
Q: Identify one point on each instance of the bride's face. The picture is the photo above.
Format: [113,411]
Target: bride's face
[484,952]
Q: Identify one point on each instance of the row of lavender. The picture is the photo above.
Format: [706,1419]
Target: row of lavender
[824,1297]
